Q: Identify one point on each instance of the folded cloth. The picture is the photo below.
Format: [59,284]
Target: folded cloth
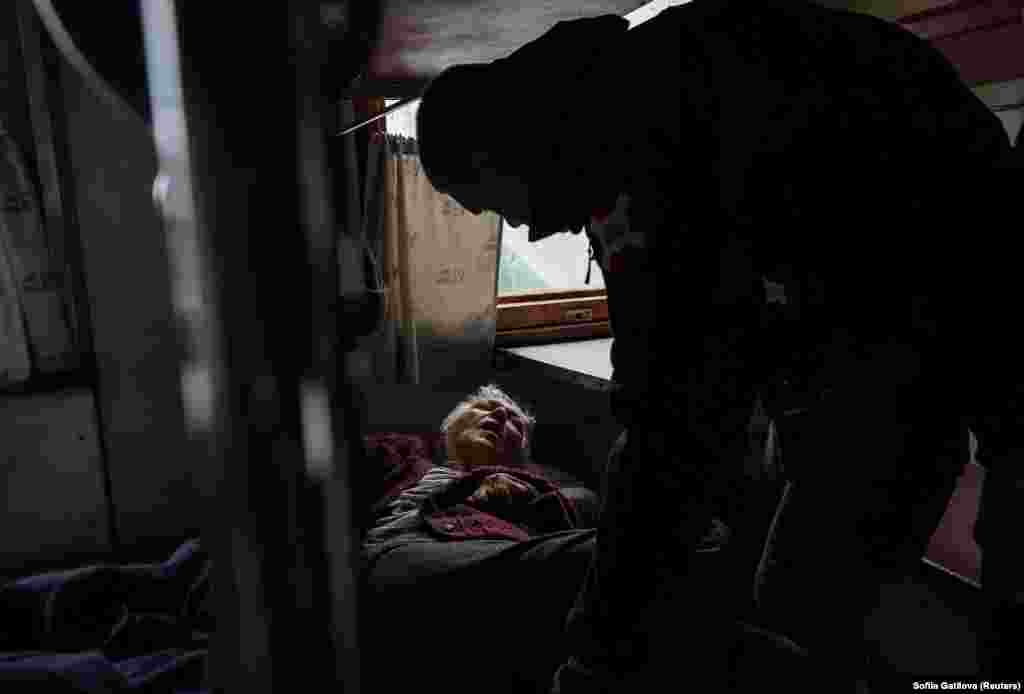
[139,628]
[82,609]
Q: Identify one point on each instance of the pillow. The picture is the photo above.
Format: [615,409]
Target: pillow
[390,449]
[395,460]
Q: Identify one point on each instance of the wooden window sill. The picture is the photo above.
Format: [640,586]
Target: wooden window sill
[546,316]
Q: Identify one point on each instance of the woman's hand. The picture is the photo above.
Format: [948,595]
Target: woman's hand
[502,487]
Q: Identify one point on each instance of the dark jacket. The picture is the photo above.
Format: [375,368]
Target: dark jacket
[397,462]
[834,152]
[451,517]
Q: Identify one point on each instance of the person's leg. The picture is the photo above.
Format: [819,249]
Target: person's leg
[876,473]
[471,616]
[592,667]
[652,605]
[651,599]
[997,397]
[400,598]
[997,532]
[674,625]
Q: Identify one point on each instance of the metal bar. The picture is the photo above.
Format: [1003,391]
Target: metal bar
[202,371]
[406,102]
[1007,107]
[332,433]
[371,119]
[51,20]
[251,232]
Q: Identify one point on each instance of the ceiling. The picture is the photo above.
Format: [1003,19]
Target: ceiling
[417,39]
[396,45]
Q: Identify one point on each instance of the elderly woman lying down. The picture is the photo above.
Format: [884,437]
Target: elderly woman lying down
[488,496]
[470,571]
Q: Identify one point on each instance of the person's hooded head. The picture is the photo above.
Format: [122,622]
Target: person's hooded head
[495,136]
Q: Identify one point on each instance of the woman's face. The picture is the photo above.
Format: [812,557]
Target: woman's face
[488,432]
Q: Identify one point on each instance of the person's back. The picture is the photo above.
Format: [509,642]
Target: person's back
[776,139]
[835,136]
[848,158]
[834,143]
[859,168]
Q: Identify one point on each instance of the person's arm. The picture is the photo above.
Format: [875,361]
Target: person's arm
[503,489]
[526,501]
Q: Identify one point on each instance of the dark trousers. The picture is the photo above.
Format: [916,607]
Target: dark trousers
[874,465]
[871,476]
[655,608]
[470,616]
[997,532]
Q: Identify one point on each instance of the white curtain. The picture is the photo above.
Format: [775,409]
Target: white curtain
[436,267]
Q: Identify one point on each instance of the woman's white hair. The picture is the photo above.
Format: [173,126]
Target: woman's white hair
[489,392]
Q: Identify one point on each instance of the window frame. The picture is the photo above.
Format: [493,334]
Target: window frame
[541,316]
[544,315]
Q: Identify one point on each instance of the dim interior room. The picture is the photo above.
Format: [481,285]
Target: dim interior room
[98,464]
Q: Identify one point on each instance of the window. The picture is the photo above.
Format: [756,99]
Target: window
[559,262]
[544,292]
[543,288]
[1006,99]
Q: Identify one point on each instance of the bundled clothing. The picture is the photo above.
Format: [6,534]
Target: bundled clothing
[435,508]
[140,628]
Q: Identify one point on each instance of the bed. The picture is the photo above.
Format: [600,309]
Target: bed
[145,627]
